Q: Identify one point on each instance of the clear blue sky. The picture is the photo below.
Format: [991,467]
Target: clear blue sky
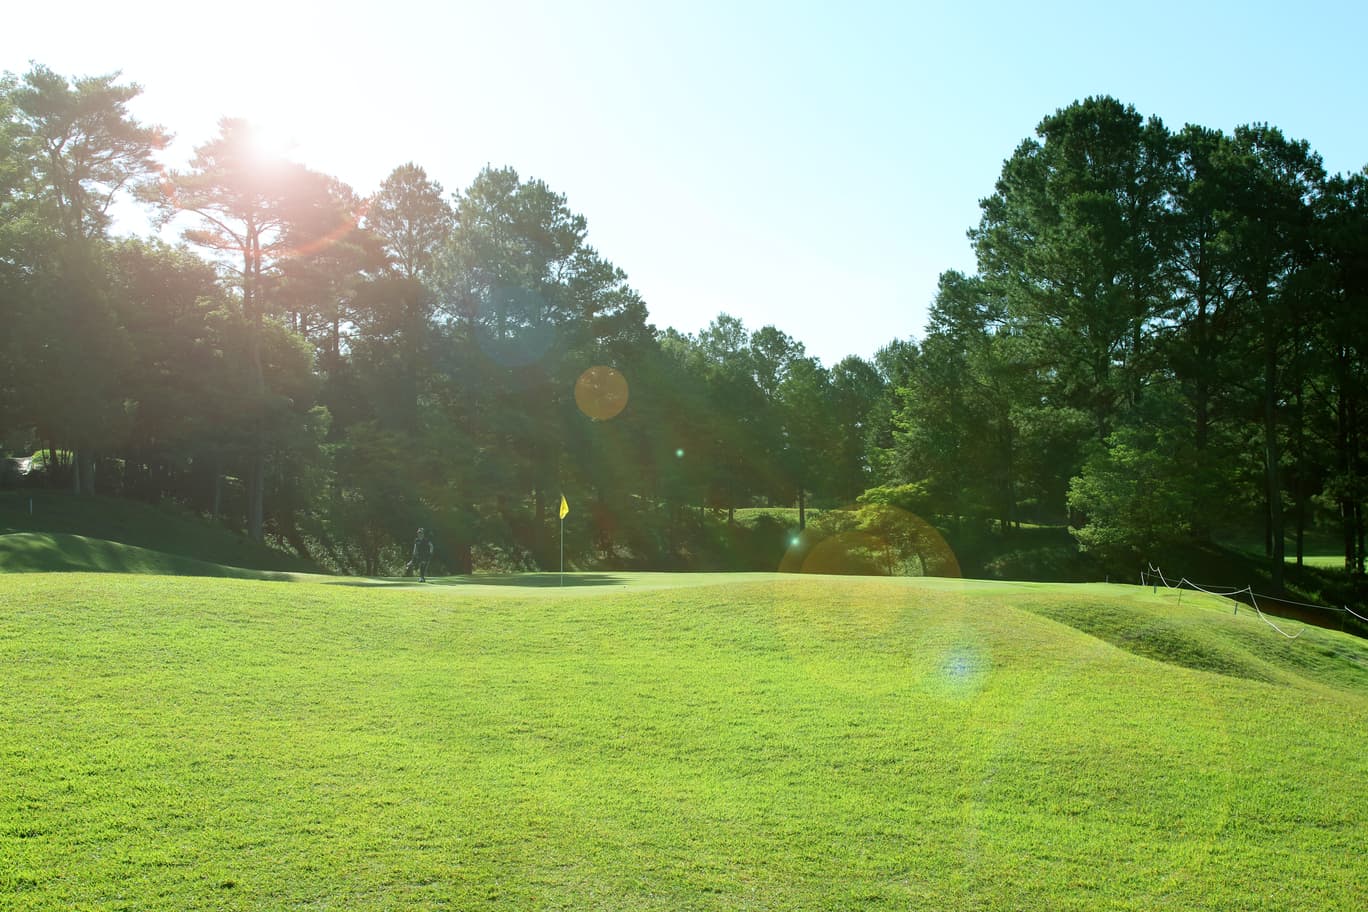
[813,166]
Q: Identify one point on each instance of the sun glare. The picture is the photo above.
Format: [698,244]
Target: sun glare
[266,143]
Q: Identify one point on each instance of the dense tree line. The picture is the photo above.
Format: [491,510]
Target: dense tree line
[1164,338]
[331,369]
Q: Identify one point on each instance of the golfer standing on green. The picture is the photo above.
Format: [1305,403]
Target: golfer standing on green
[422,555]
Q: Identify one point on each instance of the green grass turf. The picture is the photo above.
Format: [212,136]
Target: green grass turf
[655,742]
[124,522]
[1320,547]
[22,552]
[781,514]
[1328,561]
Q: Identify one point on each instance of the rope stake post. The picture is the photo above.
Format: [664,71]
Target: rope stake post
[1232,594]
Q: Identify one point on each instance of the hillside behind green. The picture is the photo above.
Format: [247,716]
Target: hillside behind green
[47,530]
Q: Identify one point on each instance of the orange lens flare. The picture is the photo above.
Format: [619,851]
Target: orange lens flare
[601,393]
[874,541]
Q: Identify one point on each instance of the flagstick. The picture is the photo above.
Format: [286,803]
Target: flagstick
[562,582]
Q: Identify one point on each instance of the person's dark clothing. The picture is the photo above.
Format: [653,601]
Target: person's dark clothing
[422,556]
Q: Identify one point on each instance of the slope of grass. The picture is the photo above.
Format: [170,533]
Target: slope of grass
[1207,633]
[135,524]
[777,743]
[22,552]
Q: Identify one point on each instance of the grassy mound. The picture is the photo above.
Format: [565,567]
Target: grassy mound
[48,552]
[779,742]
[1207,633]
[129,528]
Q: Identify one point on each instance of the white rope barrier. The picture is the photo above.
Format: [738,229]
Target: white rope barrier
[1147,579]
[1304,604]
[1220,590]
[1160,573]
[1255,603]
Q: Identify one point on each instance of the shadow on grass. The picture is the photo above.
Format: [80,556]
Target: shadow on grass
[169,530]
[60,552]
[65,553]
[514,580]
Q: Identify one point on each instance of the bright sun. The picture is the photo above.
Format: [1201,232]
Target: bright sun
[267,143]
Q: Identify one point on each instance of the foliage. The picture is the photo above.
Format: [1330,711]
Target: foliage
[84,147]
[1131,496]
[1162,339]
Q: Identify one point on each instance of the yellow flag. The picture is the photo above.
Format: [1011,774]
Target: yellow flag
[565,507]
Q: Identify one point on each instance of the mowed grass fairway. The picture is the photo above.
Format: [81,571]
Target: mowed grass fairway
[756,742]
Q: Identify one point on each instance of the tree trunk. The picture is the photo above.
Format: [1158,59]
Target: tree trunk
[1268,529]
[82,471]
[1358,523]
[1299,494]
[295,538]
[1298,484]
[85,464]
[1301,525]
[465,561]
[1201,528]
[1009,515]
[256,471]
[336,342]
[1346,444]
[217,509]
[1278,550]
[1342,463]
[256,497]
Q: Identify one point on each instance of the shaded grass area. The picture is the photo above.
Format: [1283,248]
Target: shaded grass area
[140,525]
[48,552]
[778,743]
[545,585]
[1209,633]
[1213,565]
[1320,546]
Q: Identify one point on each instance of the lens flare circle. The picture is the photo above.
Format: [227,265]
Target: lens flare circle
[962,672]
[601,393]
[875,540]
